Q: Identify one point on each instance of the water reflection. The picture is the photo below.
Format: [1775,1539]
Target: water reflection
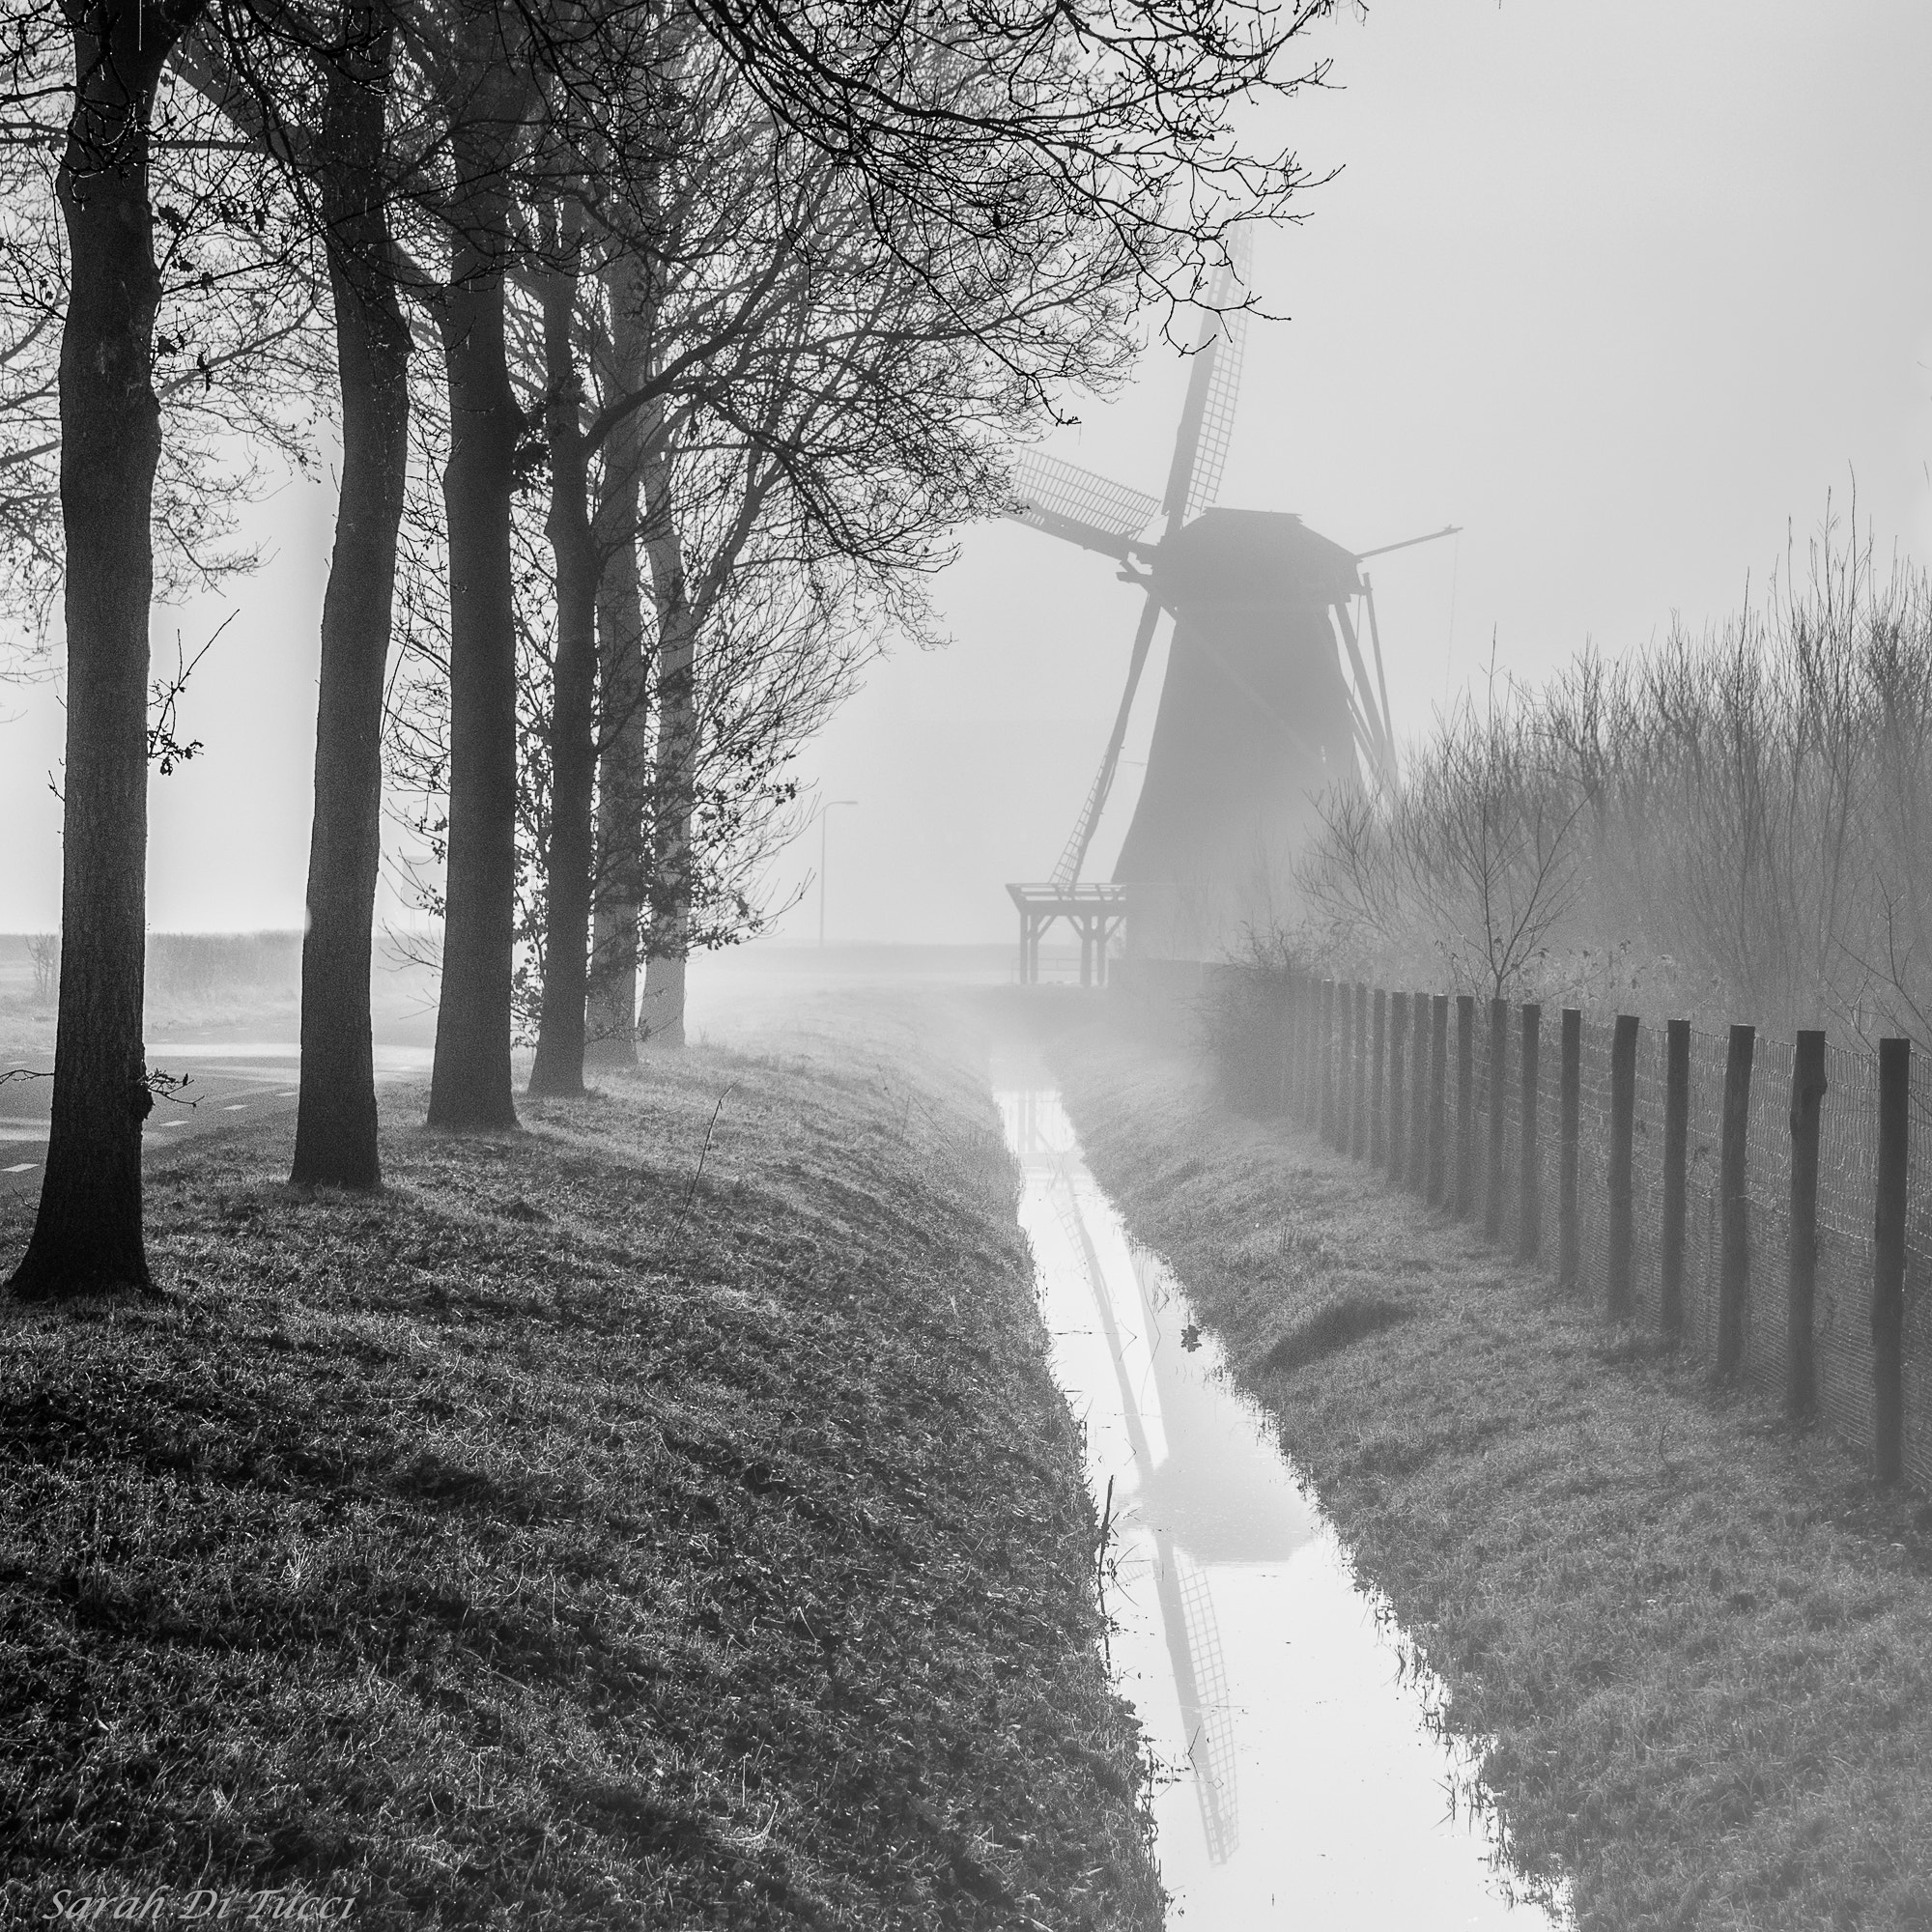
[1311,1779]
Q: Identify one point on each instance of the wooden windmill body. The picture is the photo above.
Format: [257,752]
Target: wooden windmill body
[1257,715]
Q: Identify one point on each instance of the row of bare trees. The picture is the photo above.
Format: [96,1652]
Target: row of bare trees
[667,341]
[1732,826]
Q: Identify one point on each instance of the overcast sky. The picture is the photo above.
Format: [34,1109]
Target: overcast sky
[1624,291]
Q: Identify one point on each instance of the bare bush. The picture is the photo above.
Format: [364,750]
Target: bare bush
[1732,826]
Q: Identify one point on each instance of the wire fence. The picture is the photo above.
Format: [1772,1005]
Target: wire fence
[1435,1090]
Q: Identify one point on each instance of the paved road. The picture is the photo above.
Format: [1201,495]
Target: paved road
[228,1081]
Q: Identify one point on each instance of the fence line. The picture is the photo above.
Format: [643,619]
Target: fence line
[1762,1203]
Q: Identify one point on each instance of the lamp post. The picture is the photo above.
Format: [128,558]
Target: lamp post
[825,812]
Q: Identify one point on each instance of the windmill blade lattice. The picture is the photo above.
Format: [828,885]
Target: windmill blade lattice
[1063,500]
[1217,417]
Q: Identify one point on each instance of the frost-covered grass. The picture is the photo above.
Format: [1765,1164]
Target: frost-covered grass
[563,1538]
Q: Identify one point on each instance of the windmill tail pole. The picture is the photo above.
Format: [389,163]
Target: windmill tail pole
[1067,874]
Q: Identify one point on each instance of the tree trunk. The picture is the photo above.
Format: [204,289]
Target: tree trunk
[469,1083]
[335,1115]
[623,764]
[673,789]
[558,1068]
[623,782]
[87,1235]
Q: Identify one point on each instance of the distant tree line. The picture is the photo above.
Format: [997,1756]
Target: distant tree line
[666,342]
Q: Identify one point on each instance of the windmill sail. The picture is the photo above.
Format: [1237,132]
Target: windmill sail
[1207,415]
[1068,502]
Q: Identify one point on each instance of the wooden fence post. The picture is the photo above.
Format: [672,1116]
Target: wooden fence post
[1493,1192]
[1398,1114]
[1808,1095]
[1359,1113]
[1620,1296]
[1734,1201]
[1465,1104]
[1418,1093]
[1438,1098]
[1569,1135]
[1887,1301]
[1378,1096]
[1676,1172]
[1326,1100]
[1345,1064]
[1529,1204]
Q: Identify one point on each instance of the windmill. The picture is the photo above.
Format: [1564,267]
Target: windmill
[1256,714]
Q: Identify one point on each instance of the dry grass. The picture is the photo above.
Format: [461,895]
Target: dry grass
[1701,1643]
[527,1546]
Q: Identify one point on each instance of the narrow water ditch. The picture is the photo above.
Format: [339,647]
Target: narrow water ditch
[1307,1777]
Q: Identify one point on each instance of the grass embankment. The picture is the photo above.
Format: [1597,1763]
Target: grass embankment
[553,1540]
[1701,1642]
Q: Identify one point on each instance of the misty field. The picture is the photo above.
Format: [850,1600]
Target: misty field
[660,1516]
[1700,1642]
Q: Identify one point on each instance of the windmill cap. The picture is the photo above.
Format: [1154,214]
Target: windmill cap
[1251,557]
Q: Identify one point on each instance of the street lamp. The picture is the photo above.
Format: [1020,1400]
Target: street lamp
[825,812]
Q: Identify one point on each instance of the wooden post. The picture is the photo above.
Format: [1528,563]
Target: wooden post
[1438,1098]
[1620,1296]
[1888,1302]
[1284,1039]
[1378,1096]
[1569,1135]
[1315,1096]
[1734,1203]
[1676,1171]
[1493,1191]
[1398,1114]
[1360,1111]
[1807,1097]
[1465,1104]
[1418,1092]
[1326,1100]
[1529,1200]
[1345,1064]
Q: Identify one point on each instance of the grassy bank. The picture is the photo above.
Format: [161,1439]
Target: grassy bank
[1701,1643]
[566,1538]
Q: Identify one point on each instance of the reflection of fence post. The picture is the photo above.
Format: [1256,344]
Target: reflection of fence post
[1529,1207]
[1438,1096]
[1888,1302]
[1326,1100]
[1418,1092]
[1676,1171]
[1619,1299]
[1734,1203]
[1493,1192]
[1377,1066]
[1807,1094]
[1465,1104]
[1569,1134]
[1360,1112]
[1398,1116]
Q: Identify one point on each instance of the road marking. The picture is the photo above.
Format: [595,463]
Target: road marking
[236,1107]
[23,1167]
[288,1094]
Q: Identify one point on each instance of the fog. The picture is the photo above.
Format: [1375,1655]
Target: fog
[1623,293]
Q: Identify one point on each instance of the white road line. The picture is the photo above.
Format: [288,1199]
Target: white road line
[236,1107]
[22,1167]
[288,1094]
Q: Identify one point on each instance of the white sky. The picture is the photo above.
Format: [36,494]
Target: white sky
[1626,291]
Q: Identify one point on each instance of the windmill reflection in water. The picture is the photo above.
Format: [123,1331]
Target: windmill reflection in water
[1193,1500]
